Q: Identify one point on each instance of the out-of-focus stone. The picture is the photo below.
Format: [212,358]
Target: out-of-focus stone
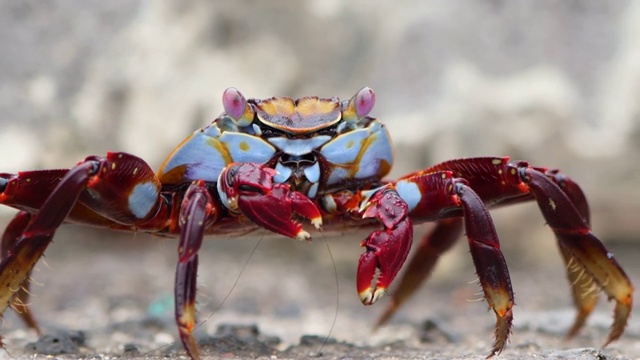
[555,83]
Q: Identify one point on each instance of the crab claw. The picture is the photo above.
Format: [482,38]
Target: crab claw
[387,249]
[248,188]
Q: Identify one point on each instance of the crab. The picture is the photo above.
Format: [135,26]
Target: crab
[274,163]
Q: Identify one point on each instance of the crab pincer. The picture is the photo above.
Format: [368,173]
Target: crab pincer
[387,249]
[249,189]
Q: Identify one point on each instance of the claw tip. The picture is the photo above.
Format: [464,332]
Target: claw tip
[303,235]
[369,296]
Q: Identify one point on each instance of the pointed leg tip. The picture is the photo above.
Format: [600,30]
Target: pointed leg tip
[189,343]
[503,330]
[620,319]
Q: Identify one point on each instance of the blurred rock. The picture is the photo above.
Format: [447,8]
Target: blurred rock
[62,342]
[552,82]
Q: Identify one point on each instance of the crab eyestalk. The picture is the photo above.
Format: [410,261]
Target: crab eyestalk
[237,107]
[359,106]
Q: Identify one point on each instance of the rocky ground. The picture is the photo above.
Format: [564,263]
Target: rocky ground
[109,296]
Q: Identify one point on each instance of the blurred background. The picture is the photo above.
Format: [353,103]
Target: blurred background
[556,83]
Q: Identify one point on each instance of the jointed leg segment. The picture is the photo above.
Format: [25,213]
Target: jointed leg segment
[497,182]
[195,212]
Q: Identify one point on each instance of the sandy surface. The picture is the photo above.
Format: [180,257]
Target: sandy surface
[107,295]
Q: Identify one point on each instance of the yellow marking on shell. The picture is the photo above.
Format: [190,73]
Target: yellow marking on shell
[312,105]
[350,144]
[224,152]
[135,171]
[162,175]
[496,161]
[113,166]
[444,176]
[513,171]
[352,168]
[355,165]
[552,204]
[278,105]
[384,169]
[244,146]
[28,180]
[174,175]
[119,156]
[500,171]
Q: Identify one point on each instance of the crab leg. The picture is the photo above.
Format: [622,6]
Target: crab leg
[10,237]
[116,190]
[387,249]
[498,182]
[489,262]
[438,195]
[196,211]
[36,236]
[585,296]
[583,250]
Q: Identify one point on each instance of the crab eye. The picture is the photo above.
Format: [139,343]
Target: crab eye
[365,99]
[233,102]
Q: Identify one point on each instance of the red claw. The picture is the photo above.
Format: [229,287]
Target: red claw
[387,249]
[249,189]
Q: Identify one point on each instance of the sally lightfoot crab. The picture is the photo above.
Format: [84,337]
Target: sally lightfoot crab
[267,163]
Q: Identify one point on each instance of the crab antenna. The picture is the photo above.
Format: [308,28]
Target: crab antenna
[237,107]
[360,105]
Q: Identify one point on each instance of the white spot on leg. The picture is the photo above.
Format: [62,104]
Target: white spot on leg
[409,192]
[143,198]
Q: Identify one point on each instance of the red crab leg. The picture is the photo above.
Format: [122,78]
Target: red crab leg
[584,251]
[564,206]
[584,298]
[31,244]
[28,190]
[119,186]
[441,195]
[197,210]
[489,262]
[10,237]
[248,188]
[424,259]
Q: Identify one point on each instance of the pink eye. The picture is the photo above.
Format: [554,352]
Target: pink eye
[233,102]
[365,99]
